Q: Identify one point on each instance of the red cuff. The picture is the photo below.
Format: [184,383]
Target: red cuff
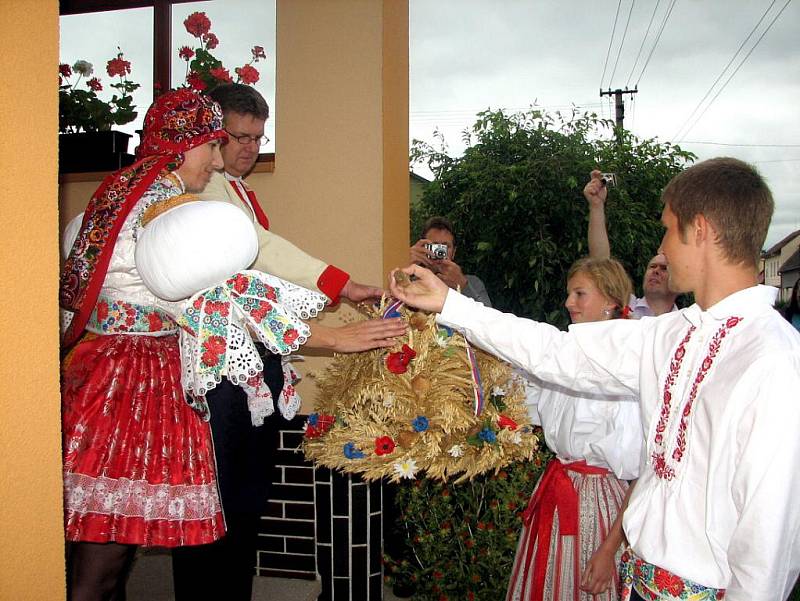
[331,282]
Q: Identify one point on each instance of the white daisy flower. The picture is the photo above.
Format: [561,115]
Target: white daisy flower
[456,451]
[406,469]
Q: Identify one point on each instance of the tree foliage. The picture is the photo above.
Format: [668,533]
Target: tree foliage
[515,198]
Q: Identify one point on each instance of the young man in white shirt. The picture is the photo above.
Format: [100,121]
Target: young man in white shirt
[658,298]
[716,504]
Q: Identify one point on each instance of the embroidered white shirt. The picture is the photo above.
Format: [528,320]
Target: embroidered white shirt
[718,496]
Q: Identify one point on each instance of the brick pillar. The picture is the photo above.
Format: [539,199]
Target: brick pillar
[349,537]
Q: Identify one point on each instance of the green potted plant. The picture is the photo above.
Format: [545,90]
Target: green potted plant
[87,141]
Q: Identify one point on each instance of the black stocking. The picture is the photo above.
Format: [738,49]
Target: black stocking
[97,571]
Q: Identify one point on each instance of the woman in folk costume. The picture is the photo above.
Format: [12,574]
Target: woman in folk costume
[571,538]
[138,462]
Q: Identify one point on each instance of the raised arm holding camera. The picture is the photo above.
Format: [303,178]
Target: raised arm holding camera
[657,297]
[436,250]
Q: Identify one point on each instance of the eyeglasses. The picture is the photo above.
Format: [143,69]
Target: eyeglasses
[246,139]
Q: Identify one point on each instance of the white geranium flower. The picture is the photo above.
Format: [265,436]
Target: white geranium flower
[456,451]
[84,68]
[406,469]
[497,391]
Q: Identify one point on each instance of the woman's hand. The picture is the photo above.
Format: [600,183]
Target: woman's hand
[357,336]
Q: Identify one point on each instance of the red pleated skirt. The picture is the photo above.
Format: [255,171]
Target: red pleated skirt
[138,461]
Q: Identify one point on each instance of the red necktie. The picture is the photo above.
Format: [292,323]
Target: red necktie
[261,217]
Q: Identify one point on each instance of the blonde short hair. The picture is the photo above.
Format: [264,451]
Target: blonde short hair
[610,278]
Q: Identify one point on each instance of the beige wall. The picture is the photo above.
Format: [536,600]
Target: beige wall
[339,189]
[31,535]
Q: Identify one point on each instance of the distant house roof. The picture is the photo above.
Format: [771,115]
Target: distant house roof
[418,178]
[792,263]
[776,248]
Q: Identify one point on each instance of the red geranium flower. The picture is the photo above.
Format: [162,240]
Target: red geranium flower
[222,74]
[195,81]
[186,53]
[94,84]
[211,40]
[384,445]
[258,52]
[666,581]
[197,24]
[65,70]
[118,66]
[248,74]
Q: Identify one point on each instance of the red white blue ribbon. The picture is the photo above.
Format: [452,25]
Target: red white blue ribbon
[477,385]
[393,310]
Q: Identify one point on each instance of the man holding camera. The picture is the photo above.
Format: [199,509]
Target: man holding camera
[436,250]
[658,298]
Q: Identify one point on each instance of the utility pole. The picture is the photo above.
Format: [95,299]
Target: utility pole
[619,105]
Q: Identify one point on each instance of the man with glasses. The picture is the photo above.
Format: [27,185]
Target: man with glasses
[244,452]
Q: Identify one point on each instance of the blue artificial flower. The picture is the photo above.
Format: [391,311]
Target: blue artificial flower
[420,424]
[351,452]
[487,435]
[313,419]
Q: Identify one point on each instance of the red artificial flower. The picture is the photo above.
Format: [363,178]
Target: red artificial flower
[186,53]
[248,74]
[118,66]
[197,24]
[258,52]
[437,575]
[222,74]
[211,41]
[626,312]
[397,363]
[506,422]
[155,321]
[666,581]
[312,432]
[384,445]
[94,84]
[289,336]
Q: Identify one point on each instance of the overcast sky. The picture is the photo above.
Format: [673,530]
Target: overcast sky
[469,55]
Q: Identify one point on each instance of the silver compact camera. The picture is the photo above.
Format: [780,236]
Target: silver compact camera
[437,252]
[609,179]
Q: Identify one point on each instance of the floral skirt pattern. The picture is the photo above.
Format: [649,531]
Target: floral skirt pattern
[138,461]
[599,498]
[657,584]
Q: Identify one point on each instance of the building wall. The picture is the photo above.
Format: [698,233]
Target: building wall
[337,189]
[773,263]
[31,534]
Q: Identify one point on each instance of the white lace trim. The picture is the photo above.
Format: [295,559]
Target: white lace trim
[139,499]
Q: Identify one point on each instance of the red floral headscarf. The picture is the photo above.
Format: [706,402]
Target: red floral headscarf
[178,120]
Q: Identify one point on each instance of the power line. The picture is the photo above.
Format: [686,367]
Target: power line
[658,38]
[610,43]
[779,161]
[739,66]
[743,145]
[730,62]
[622,43]
[641,46]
